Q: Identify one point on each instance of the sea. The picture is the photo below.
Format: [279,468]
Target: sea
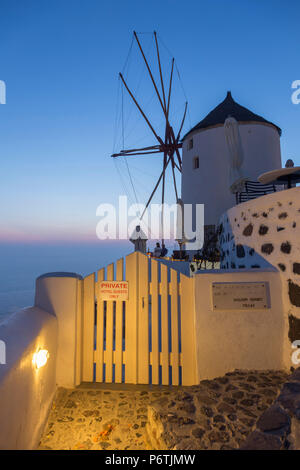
[21,264]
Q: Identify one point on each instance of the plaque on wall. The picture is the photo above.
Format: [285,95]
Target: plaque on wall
[240,295]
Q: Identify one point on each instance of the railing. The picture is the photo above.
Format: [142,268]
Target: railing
[254,190]
[209,256]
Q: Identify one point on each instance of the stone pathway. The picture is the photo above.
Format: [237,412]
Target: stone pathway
[97,419]
[216,414]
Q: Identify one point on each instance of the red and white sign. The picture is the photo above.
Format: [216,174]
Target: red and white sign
[113,290]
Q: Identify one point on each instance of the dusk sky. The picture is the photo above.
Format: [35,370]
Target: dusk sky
[60,62]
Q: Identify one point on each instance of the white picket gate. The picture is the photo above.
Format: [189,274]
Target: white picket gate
[147,339]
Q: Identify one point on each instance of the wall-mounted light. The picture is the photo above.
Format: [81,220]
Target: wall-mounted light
[40,358]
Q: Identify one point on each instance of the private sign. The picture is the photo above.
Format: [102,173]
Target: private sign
[113,290]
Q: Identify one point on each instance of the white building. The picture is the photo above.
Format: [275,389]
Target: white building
[205,157]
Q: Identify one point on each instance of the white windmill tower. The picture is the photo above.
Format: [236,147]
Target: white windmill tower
[209,149]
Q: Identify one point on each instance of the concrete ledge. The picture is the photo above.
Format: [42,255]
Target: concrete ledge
[61,295]
[60,274]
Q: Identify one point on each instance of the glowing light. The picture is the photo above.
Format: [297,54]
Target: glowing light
[40,358]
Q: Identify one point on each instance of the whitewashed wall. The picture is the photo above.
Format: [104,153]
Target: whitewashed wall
[209,184]
[26,393]
[61,295]
[238,339]
[266,232]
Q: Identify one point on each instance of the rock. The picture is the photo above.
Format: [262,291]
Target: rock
[255,396]
[186,444]
[252,378]
[291,387]
[229,400]
[296,375]
[70,404]
[290,401]
[223,380]
[104,445]
[162,401]
[226,447]
[238,394]
[172,404]
[273,419]
[232,417]
[88,413]
[206,400]
[247,232]
[218,436]
[219,419]
[250,422]
[247,387]
[261,407]
[188,408]
[142,410]
[230,387]
[247,402]
[247,412]
[225,408]
[207,411]
[187,397]
[269,393]
[185,420]
[65,419]
[260,441]
[211,384]
[198,433]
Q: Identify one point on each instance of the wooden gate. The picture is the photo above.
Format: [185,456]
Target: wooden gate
[147,339]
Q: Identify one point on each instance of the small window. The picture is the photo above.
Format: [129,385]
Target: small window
[195,163]
[190,144]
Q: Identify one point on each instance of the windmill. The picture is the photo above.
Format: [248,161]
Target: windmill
[169,144]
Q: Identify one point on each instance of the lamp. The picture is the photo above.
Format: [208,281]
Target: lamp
[40,358]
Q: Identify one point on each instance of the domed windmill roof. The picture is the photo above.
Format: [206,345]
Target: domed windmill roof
[229,107]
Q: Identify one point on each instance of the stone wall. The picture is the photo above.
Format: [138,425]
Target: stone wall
[217,414]
[278,428]
[263,232]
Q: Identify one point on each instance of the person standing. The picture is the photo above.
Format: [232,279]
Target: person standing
[164,250]
[157,251]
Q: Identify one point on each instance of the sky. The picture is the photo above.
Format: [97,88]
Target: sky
[60,62]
